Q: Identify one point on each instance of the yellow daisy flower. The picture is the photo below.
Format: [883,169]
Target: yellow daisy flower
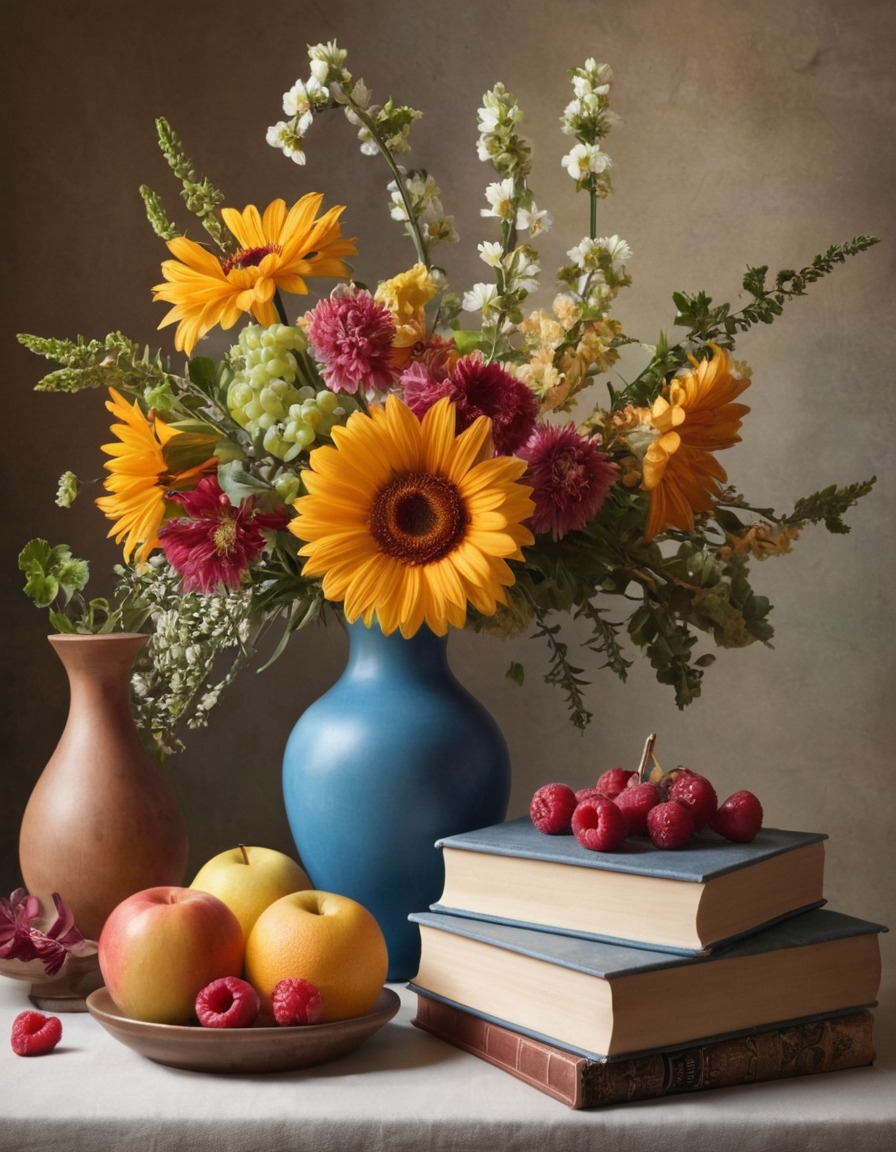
[277,250]
[408,522]
[696,418]
[140,476]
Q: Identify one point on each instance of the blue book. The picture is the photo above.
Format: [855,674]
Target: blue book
[607,1001]
[689,901]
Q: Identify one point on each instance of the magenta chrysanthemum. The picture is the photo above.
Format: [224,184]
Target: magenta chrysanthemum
[477,388]
[215,542]
[351,335]
[570,478]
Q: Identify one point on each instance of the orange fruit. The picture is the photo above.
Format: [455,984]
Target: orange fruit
[330,940]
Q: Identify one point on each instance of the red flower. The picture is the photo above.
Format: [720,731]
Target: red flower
[215,542]
[477,388]
[570,478]
[351,335]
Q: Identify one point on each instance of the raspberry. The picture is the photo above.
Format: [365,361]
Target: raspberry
[739,817]
[696,793]
[296,1001]
[670,824]
[599,825]
[613,781]
[552,807]
[635,802]
[592,793]
[34,1034]
[227,1003]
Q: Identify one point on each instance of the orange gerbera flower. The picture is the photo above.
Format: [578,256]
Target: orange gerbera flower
[698,416]
[277,250]
[140,476]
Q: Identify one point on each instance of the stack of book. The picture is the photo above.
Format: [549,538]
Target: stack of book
[601,978]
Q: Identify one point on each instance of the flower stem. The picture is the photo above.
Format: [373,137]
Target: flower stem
[281,311]
[413,225]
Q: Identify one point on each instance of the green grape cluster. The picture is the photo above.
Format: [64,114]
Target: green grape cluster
[267,398]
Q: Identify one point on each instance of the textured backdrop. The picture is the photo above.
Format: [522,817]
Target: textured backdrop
[751,134]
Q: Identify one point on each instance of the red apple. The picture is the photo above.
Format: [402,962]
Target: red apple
[160,947]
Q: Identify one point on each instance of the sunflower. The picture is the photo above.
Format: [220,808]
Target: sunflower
[276,251]
[409,522]
[141,476]
[696,418]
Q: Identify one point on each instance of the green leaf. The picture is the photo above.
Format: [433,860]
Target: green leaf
[73,574]
[467,342]
[516,672]
[35,556]
[42,588]
[203,372]
[239,484]
[189,450]
[62,623]
[51,571]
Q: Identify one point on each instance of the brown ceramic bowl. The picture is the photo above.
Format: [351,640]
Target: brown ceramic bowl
[259,1049]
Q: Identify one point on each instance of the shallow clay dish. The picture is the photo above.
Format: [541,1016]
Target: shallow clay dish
[241,1049]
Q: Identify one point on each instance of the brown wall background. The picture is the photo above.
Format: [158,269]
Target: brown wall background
[753,133]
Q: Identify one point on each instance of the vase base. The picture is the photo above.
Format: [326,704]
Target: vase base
[71,1002]
[69,993]
[66,992]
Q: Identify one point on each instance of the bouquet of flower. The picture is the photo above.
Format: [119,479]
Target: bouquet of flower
[413,456]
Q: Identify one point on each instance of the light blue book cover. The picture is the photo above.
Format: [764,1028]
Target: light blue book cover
[706,856]
[607,960]
[505,988]
[728,889]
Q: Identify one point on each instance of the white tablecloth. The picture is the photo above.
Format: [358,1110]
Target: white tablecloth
[406,1091]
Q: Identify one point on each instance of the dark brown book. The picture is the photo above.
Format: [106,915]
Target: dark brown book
[829,1044]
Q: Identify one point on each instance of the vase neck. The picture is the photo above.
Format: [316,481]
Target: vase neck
[98,663]
[421,656]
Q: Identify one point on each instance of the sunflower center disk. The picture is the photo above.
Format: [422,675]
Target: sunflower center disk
[418,518]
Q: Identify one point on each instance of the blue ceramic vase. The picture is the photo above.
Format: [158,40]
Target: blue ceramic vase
[395,755]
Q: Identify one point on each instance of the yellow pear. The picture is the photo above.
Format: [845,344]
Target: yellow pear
[248,879]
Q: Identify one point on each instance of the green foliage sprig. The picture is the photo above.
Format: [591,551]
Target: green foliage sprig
[115,362]
[55,579]
[201,197]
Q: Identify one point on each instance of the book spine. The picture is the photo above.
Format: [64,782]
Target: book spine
[825,1045]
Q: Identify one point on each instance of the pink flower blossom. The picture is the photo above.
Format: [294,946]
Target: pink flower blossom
[215,542]
[477,388]
[351,335]
[22,940]
[570,478]
[16,915]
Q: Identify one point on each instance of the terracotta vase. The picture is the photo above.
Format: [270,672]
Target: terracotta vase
[102,821]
